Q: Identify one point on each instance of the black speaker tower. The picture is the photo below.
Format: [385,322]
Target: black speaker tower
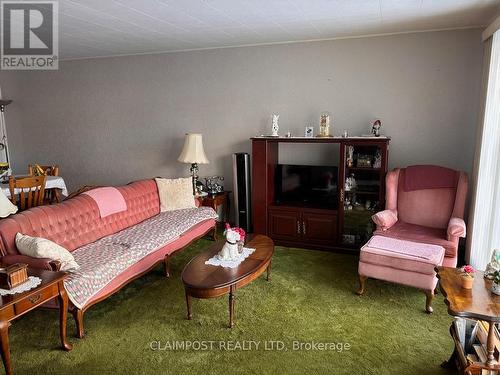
[242,189]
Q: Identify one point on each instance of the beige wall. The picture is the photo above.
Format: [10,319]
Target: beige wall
[109,121]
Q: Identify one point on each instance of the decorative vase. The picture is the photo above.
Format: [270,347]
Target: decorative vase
[495,288]
[467,282]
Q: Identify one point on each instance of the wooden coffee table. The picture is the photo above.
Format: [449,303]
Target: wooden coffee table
[14,305]
[206,281]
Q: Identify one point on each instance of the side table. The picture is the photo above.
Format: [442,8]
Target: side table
[478,303]
[14,305]
[214,201]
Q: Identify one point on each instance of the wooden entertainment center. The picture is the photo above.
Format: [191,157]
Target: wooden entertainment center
[347,224]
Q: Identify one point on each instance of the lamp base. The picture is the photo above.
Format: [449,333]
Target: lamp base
[194,176]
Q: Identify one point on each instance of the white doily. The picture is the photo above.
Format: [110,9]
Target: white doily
[215,261]
[31,283]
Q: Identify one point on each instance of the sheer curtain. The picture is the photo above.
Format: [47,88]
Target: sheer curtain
[484,223]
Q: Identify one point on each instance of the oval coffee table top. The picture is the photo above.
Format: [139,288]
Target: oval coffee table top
[199,275]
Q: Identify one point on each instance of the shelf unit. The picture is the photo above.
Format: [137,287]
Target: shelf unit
[310,226]
[475,328]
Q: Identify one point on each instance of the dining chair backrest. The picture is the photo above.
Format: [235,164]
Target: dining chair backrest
[48,170]
[30,190]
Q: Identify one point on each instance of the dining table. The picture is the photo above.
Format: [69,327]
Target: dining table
[51,182]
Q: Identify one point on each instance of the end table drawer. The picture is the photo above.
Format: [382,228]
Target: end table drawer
[36,299]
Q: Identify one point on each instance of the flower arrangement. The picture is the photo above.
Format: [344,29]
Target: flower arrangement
[468,271]
[240,231]
[467,276]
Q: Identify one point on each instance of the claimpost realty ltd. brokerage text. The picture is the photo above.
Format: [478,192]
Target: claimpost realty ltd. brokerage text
[247,345]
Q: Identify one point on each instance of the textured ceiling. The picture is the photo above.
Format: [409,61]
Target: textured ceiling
[92,28]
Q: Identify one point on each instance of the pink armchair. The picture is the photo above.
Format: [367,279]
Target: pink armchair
[418,230]
[425,203]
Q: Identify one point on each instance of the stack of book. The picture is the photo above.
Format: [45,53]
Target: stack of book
[473,335]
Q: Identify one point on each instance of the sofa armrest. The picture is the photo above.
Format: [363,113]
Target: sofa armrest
[385,219]
[456,228]
[38,263]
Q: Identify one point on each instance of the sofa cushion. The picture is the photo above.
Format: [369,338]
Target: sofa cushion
[419,233]
[402,255]
[101,261]
[38,247]
[175,194]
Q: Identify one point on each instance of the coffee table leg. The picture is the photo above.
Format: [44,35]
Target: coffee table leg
[232,297]
[269,271]
[188,303]
[63,315]
[4,338]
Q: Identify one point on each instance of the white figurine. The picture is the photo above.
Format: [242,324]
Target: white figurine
[350,183]
[493,265]
[377,124]
[230,249]
[275,127]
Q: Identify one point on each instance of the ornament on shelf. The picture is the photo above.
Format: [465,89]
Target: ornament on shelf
[275,128]
[350,156]
[350,183]
[377,124]
[378,160]
[324,125]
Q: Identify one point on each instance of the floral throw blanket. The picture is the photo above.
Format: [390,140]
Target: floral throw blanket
[101,261]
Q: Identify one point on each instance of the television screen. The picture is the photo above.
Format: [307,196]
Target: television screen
[313,185]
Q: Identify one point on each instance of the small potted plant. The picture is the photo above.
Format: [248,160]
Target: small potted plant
[495,285]
[467,276]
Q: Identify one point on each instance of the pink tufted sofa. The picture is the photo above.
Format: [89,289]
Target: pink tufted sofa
[76,222]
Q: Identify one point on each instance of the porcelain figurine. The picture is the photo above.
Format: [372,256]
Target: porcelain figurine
[377,124]
[232,248]
[493,265]
[350,156]
[275,127]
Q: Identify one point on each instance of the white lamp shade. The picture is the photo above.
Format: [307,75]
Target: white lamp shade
[193,152]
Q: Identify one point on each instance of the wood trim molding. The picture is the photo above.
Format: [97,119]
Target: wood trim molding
[491,29]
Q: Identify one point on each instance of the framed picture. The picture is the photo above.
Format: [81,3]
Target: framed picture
[309,132]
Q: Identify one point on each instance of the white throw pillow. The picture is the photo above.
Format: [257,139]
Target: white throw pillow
[38,247]
[175,194]
[6,206]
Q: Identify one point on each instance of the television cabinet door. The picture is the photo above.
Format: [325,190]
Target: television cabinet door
[284,224]
[320,228]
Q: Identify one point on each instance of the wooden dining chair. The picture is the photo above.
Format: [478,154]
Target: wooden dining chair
[48,170]
[29,189]
[51,195]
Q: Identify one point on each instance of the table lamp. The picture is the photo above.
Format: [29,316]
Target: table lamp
[193,153]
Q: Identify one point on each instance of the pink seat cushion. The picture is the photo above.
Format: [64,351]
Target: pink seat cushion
[402,255]
[419,233]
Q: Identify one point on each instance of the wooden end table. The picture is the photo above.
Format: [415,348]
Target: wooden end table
[14,305]
[205,281]
[214,201]
[477,303]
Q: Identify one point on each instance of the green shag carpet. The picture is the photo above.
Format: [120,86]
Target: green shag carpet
[309,299]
